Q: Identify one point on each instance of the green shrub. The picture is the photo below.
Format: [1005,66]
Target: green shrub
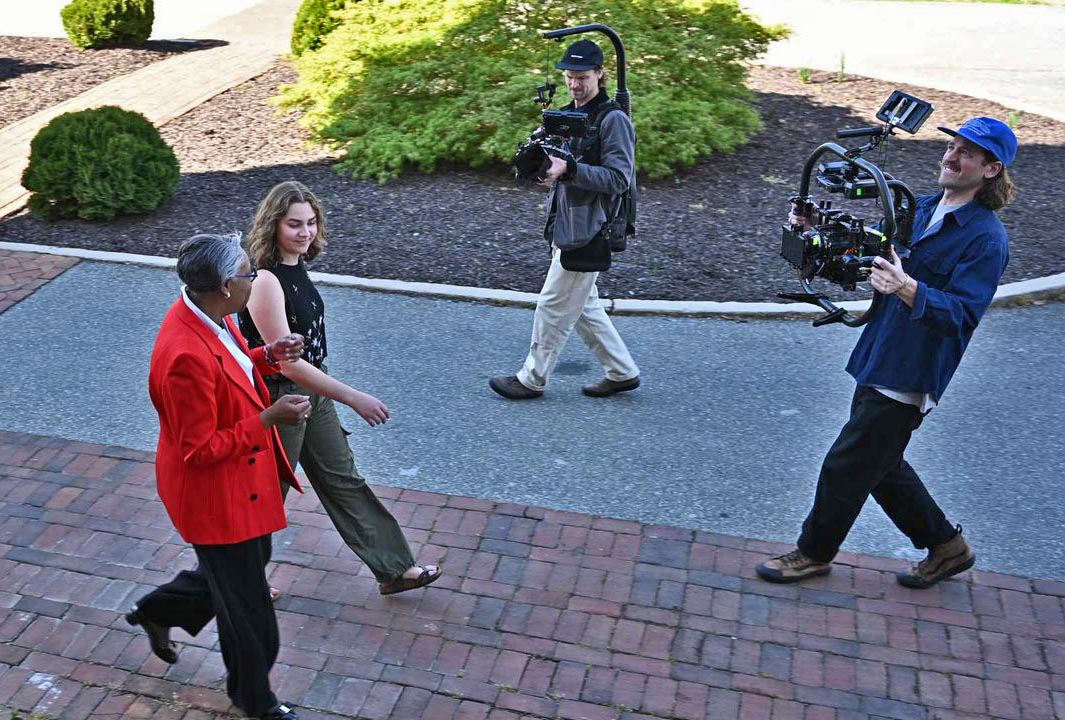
[99,163]
[108,23]
[415,83]
[314,20]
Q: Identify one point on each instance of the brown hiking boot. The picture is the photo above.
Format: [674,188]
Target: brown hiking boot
[952,557]
[792,567]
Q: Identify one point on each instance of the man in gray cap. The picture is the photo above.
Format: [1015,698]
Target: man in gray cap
[585,190]
[905,357]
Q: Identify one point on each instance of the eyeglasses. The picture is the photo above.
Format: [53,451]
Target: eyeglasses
[251,276]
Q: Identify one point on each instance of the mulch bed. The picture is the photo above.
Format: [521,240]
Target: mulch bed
[710,233]
[37,73]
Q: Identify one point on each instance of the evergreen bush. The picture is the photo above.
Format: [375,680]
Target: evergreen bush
[404,84]
[99,163]
[108,23]
[314,20]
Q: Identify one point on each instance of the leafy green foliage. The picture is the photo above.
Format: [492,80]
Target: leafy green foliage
[403,84]
[99,163]
[314,21]
[108,23]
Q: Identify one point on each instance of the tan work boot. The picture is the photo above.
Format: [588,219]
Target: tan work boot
[952,557]
[792,567]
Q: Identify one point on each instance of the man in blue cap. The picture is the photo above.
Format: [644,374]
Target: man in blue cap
[905,357]
[583,189]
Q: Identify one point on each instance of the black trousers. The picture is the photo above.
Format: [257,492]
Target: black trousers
[229,585]
[867,459]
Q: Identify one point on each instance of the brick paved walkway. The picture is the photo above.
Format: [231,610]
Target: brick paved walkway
[22,273]
[541,614]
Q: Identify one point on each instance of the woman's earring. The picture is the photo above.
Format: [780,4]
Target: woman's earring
[226,294]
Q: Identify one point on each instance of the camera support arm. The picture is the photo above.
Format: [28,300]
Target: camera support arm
[622,94]
[835,313]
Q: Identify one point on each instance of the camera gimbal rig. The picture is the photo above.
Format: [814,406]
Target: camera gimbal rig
[836,245]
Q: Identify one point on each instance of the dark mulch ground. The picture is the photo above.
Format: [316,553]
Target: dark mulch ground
[36,73]
[711,233]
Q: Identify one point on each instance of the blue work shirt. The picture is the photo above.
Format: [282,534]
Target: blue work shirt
[957,269]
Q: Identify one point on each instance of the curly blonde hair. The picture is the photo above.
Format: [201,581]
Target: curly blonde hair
[262,236]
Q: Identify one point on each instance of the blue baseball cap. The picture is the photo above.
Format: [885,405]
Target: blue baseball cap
[992,135]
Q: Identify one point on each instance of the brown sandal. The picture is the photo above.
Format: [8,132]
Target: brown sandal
[402,584]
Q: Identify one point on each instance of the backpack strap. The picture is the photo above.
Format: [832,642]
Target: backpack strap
[625,199]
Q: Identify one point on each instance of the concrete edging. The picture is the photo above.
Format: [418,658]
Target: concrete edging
[1025,292]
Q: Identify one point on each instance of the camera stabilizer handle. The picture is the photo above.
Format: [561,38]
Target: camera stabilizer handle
[884,188]
[621,97]
[834,244]
[882,183]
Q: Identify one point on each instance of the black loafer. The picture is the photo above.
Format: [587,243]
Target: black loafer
[281,711]
[158,636]
[607,387]
[511,388]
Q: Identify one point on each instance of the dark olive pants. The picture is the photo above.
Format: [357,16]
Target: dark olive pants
[320,445]
[867,459]
[229,585]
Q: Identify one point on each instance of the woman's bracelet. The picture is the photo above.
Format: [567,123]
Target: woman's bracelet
[269,356]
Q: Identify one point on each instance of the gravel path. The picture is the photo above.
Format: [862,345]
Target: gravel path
[710,233]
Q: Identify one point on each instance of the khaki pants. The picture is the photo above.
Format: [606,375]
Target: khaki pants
[320,445]
[570,300]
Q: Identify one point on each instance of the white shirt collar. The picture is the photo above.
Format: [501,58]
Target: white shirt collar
[226,338]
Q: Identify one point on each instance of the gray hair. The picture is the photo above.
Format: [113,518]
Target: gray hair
[205,262]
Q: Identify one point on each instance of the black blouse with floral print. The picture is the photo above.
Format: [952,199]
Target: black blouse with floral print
[304,310]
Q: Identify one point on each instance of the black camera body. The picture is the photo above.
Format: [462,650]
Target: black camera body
[836,245]
[551,139]
[839,248]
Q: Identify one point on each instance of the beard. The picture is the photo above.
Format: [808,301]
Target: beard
[955,182]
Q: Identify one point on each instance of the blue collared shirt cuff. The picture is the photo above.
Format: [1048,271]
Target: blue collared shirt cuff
[920,301]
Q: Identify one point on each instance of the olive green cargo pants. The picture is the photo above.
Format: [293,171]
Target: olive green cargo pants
[321,447]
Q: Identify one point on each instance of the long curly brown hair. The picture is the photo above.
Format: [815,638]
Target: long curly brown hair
[999,191]
[262,236]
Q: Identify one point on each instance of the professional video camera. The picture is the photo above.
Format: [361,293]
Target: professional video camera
[835,244]
[551,139]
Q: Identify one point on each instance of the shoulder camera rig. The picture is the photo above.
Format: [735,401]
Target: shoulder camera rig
[558,127]
[834,244]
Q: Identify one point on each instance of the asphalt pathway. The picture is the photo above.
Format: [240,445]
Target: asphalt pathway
[726,435]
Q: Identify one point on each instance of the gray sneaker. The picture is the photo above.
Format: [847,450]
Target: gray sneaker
[943,561]
[792,567]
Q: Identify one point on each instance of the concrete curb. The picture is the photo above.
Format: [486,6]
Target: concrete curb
[1025,292]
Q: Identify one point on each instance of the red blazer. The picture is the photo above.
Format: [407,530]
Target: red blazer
[217,466]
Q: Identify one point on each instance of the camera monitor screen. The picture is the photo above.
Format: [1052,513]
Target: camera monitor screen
[905,112]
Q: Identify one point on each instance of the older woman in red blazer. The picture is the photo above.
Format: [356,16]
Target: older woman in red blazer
[218,466]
